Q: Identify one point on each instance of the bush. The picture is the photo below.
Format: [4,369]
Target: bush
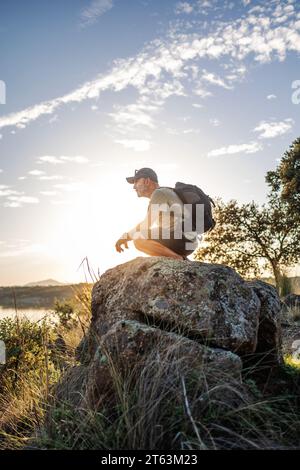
[27,349]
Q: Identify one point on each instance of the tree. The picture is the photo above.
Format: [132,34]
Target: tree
[253,239]
[285,180]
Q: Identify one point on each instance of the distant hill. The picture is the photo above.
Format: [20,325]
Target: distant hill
[46,282]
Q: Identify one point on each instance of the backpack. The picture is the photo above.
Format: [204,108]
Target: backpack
[191,194]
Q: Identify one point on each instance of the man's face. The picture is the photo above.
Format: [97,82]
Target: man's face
[141,186]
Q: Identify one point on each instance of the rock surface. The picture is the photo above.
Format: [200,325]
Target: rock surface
[204,315]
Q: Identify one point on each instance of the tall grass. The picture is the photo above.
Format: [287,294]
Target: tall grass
[161,403]
[164,404]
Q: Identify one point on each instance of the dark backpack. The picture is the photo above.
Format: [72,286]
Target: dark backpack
[191,194]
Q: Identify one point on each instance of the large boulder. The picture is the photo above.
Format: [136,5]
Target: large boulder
[208,302]
[269,338]
[205,317]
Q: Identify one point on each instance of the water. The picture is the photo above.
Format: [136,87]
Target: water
[33,314]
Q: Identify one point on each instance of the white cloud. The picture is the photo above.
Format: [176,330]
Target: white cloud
[214,80]
[49,159]
[22,177]
[183,7]
[36,172]
[94,10]
[137,145]
[51,178]
[62,159]
[127,118]
[202,93]
[269,130]
[76,159]
[197,105]
[158,70]
[252,147]
[1,171]
[23,199]
[271,97]
[7,191]
[191,131]
[48,193]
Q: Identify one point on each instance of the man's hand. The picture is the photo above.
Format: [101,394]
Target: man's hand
[122,241]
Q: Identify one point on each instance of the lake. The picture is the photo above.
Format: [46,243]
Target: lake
[33,314]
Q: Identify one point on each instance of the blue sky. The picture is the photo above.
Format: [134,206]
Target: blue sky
[199,90]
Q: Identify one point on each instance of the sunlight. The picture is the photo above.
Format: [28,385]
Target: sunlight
[91,225]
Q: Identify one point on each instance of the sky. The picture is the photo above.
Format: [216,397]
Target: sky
[202,91]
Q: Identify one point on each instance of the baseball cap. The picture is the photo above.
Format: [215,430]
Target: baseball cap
[143,173]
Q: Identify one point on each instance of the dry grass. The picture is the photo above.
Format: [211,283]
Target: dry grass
[166,405]
[162,405]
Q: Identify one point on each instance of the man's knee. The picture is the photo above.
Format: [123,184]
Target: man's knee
[138,243]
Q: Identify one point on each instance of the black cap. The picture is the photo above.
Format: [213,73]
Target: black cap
[143,173]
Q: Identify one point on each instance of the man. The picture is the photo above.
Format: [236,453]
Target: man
[160,233]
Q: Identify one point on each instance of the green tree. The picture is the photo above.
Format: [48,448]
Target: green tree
[285,180]
[253,239]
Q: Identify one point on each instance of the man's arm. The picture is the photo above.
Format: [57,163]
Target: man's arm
[142,229]
[132,234]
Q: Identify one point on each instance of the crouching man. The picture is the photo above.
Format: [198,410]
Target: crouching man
[161,232]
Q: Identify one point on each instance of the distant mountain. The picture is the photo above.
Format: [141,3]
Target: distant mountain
[47,282]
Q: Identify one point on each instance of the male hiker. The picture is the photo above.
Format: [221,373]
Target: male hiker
[158,234]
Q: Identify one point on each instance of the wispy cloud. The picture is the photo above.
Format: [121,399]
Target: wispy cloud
[51,177]
[6,190]
[48,193]
[159,70]
[63,159]
[137,145]
[269,130]
[19,201]
[36,172]
[271,97]
[49,159]
[214,80]
[183,7]
[251,147]
[90,14]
